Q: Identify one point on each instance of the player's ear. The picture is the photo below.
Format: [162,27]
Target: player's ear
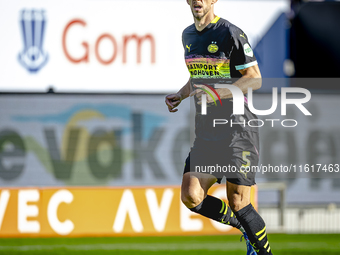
[188,2]
[213,2]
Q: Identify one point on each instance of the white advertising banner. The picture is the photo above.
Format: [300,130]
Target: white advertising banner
[114,46]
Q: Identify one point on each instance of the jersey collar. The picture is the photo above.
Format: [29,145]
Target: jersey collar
[215,20]
[211,24]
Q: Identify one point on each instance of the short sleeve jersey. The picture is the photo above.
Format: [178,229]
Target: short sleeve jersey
[218,51]
[214,55]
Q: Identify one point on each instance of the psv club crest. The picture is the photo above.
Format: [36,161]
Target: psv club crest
[33,26]
[212,48]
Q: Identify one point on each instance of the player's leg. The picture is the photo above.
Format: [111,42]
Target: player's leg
[244,155]
[253,224]
[194,196]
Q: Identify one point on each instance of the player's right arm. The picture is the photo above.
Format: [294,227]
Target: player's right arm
[173,100]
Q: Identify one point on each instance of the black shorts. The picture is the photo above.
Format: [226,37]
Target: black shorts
[233,158]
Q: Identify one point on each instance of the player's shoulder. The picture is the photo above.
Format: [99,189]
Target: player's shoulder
[231,28]
[236,32]
[188,33]
[189,29]
[223,23]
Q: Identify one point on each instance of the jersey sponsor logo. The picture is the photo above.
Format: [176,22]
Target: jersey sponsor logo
[188,47]
[242,35]
[33,23]
[247,50]
[212,48]
[208,67]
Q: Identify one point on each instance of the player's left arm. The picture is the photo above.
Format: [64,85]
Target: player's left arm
[251,78]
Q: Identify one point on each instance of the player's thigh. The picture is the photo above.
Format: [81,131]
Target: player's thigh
[244,158]
[194,187]
[238,196]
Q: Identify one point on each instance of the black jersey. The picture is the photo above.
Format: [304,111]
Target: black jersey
[214,55]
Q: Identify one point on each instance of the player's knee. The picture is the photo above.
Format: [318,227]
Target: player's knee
[191,198]
[237,202]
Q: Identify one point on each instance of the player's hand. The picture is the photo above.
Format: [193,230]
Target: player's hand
[199,92]
[172,101]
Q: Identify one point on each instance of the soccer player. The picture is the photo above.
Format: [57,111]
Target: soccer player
[217,51]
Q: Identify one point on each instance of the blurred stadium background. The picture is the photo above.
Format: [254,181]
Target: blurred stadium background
[90,159]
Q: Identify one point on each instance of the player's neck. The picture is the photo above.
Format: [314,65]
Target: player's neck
[204,21]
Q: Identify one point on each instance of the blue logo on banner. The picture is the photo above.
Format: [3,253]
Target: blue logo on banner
[33,24]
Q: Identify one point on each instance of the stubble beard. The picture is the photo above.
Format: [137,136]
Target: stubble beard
[199,16]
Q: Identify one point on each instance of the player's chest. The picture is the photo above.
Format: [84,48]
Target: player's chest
[208,56]
[212,44]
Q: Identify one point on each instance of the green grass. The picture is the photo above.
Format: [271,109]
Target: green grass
[189,245]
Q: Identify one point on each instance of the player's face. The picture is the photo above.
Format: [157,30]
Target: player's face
[200,8]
